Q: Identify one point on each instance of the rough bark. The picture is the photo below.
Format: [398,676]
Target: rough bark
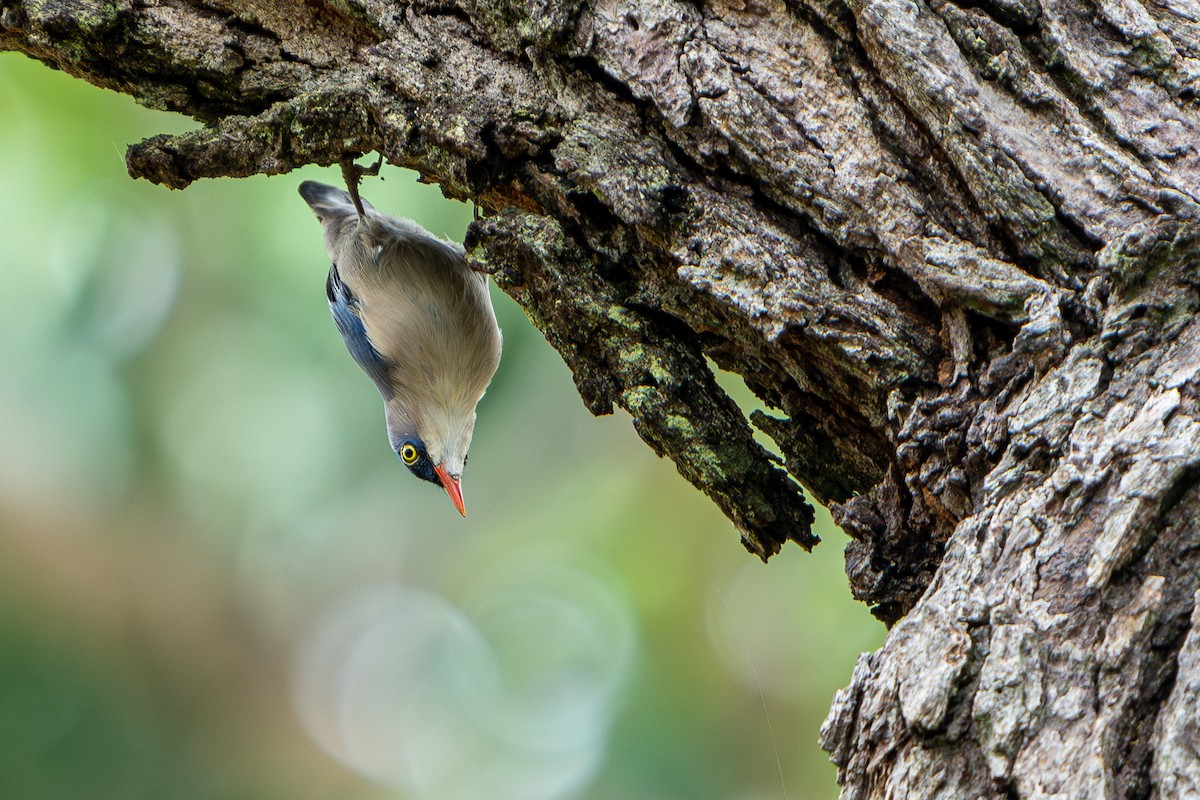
[954,245]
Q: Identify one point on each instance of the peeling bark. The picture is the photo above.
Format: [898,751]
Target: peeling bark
[953,247]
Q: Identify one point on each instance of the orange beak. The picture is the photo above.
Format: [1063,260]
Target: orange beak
[453,487]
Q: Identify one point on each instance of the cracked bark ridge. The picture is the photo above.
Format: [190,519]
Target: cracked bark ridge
[951,246]
[621,354]
[1051,655]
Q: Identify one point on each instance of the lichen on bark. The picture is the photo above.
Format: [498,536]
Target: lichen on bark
[620,354]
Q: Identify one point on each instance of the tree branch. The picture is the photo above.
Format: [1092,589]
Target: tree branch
[954,248]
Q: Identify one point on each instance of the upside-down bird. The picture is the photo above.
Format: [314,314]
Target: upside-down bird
[418,321]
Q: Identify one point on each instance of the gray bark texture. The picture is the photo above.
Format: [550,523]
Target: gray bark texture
[955,246]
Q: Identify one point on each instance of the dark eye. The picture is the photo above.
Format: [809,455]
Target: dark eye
[408,454]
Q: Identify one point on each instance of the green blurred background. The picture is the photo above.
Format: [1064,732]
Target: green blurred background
[217,581]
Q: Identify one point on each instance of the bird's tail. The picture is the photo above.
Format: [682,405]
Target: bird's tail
[328,202]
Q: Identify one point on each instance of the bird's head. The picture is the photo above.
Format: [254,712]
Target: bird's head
[433,447]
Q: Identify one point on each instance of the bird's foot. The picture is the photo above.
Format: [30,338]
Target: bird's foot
[353,174]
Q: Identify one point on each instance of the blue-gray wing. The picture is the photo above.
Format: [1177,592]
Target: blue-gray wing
[344,307]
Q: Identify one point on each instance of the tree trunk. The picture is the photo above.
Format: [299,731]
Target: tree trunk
[954,245]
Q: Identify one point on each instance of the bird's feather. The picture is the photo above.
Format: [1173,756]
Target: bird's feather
[344,308]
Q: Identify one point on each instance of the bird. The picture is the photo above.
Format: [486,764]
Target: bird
[417,320]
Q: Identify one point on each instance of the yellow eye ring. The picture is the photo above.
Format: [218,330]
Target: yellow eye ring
[408,454]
